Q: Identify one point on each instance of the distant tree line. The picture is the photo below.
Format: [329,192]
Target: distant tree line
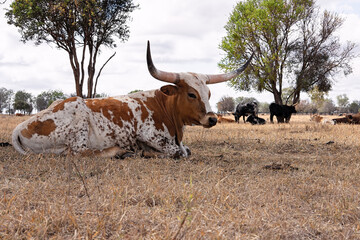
[318,103]
[24,102]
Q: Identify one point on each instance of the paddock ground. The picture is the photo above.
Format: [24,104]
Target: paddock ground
[276,181]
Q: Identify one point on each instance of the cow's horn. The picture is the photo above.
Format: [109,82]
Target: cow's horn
[158,74]
[227,76]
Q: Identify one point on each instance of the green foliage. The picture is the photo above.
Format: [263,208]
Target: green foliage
[5,98]
[89,21]
[80,27]
[46,98]
[244,100]
[342,100]
[264,107]
[354,107]
[101,95]
[135,91]
[23,102]
[290,44]
[317,97]
[286,94]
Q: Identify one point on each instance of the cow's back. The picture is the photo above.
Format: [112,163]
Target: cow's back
[47,131]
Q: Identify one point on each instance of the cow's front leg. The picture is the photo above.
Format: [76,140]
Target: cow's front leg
[185,150]
[166,150]
[110,152]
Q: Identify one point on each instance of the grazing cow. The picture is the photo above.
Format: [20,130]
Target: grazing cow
[255,120]
[282,112]
[319,119]
[349,118]
[151,122]
[245,110]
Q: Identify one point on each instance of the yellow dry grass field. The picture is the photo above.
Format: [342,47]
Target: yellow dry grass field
[275,181]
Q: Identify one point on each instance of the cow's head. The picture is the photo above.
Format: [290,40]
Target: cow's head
[190,92]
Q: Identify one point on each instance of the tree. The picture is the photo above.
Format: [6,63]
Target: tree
[289,45]
[317,97]
[244,100]
[101,95]
[23,102]
[305,106]
[343,102]
[327,106]
[264,107]
[354,107]
[80,27]
[5,98]
[135,91]
[226,104]
[318,55]
[44,99]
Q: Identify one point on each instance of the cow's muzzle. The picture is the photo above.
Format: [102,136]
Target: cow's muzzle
[212,121]
[209,120]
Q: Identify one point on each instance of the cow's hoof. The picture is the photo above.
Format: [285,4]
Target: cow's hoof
[124,155]
[188,151]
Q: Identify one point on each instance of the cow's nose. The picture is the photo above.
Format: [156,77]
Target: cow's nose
[212,121]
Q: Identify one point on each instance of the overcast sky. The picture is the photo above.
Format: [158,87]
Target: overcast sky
[185,37]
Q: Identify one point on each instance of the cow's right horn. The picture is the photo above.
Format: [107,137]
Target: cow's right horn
[158,74]
[217,78]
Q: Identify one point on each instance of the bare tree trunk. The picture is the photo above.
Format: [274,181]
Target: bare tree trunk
[76,73]
[277,97]
[276,93]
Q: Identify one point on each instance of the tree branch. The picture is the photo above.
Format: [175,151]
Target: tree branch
[97,77]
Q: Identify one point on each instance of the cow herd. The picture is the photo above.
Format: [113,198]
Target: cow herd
[150,123]
[346,119]
[282,112]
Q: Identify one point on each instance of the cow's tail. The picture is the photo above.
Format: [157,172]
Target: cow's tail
[16,141]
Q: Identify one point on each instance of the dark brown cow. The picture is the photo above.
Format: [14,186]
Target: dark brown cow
[150,121]
[349,119]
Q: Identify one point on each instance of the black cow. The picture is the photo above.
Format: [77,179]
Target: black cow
[245,110]
[255,120]
[282,112]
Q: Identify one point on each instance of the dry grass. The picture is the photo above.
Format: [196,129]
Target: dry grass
[274,181]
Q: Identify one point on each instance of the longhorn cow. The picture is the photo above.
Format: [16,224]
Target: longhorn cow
[152,121]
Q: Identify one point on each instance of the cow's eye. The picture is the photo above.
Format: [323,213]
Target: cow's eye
[191,95]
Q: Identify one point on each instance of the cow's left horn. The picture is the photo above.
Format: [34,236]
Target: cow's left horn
[158,74]
[217,78]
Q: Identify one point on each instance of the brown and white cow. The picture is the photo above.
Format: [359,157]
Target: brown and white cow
[150,121]
[222,119]
[320,119]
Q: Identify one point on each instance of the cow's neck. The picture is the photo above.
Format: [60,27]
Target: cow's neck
[172,119]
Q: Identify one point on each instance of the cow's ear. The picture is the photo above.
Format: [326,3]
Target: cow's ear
[169,90]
